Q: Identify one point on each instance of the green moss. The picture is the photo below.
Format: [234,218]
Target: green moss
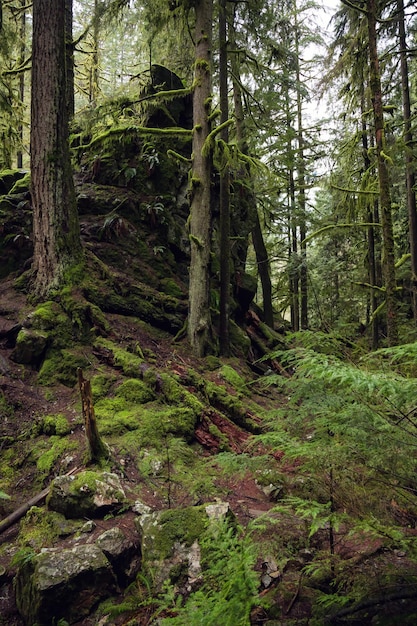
[174,393]
[41,528]
[218,397]
[177,525]
[61,366]
[21,185]
[54,425]
[135,391]
[212,362]
[56,447]
[101,384]
[129,363]
[231,376]
[50,317]
[170,287]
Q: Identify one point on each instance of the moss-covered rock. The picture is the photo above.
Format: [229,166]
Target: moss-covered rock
[231,376]
[54,425]
[135,391]
[88,494]
[8,178]
[170,540]
[61,366]
[63,584]
[41,528]
[22,184]
[30,347]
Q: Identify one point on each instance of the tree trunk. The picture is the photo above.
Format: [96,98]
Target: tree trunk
[224,337]
[388,260]
[301,189]
[57,244]
[22,77]
[97,448]
[199,319]
[69,58]
[409,159]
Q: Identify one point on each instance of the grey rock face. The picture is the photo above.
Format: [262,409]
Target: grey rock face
[63,584]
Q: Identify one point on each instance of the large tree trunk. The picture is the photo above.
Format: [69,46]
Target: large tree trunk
[56,233]
[388,260]
[69,47]
[409,159]
[22,77]
[224,337]
[199,319]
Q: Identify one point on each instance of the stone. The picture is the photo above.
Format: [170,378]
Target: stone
[170,542]
[123,554]
[30,347]
[63,584]
[87,494]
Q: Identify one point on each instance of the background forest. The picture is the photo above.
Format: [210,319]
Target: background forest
[210,207]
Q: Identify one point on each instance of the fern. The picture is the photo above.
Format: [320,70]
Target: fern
[229,586]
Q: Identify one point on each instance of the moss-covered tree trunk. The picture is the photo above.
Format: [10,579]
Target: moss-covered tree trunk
[57,244]
[388,260]
[199,319]
[409,157]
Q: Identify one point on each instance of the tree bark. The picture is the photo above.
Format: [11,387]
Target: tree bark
[57,244]
[224,337]
[388,260]
[409,159]
[199,318]
[69,58]
[97,448]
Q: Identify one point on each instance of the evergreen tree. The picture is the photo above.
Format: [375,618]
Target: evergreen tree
[57,245]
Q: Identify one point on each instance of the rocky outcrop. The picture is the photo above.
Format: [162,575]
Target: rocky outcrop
[63,584]
[88,494]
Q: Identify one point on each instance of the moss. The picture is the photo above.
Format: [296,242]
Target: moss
[41,528]
[54,425]
[170,287]
[218,397]
[176,525]
[50,317]
[116,417]
[135,391]
[21,185]
[56,447]
[129,363]
[61,366]
[231,376]
[212,362]
[101,384]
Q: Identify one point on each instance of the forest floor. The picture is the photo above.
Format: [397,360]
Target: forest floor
[248,501]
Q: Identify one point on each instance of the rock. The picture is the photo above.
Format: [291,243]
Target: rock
[123,554]
[30,347]
[170,542]
[63,584]
[88,494]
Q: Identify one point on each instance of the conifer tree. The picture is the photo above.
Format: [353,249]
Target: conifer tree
[199,318]
[57,244]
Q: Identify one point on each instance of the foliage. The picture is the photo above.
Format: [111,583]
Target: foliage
[229,588]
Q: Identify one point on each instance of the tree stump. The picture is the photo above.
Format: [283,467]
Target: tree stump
[97,448]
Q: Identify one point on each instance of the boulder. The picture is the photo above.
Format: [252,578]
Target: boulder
[63,584]
[170,542]
[123,554]
[88,494]
[30,347]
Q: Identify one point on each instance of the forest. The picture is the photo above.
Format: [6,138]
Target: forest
[208,313]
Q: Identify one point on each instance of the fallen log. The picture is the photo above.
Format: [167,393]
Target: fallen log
[22,510]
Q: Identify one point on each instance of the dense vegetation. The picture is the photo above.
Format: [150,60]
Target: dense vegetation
[235,274]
